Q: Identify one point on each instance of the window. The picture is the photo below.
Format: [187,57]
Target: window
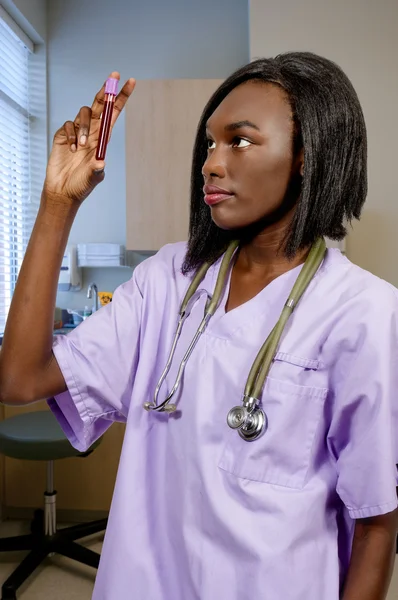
[17,207]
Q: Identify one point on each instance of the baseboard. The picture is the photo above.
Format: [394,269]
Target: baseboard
[63,515]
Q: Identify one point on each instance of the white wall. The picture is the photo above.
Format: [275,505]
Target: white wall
[361,36]
[151,39]
[31,16]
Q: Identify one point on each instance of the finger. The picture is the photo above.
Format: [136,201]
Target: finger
[122,98]
[97,166]
[84,120]
[97,176]
[98,104]
[70,132]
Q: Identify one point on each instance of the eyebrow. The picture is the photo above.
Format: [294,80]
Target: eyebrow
[239,125]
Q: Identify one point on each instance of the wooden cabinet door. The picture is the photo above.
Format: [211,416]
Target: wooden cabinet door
[161,121]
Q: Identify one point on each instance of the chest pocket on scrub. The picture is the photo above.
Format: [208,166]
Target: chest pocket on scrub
[282,455]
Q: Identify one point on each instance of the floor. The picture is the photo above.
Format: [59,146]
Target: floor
[57,578]
[62,579]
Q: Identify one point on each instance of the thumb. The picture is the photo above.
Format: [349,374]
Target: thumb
[97,173]
[93,178]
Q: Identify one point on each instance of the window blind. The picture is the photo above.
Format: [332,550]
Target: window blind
[16,212]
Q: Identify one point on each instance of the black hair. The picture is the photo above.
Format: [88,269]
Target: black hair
[329,126]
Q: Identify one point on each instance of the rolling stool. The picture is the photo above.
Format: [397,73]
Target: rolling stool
[38,436]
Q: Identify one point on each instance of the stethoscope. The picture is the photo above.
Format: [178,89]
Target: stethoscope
[248,418]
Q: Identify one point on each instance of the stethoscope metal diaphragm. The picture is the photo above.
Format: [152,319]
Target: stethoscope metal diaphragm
[248,419]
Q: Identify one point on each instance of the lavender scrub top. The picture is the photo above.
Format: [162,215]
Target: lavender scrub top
[197,512]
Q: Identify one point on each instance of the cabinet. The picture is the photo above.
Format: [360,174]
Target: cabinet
[161,122]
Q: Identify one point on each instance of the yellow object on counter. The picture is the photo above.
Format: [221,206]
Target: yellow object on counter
[105,297]
[57,318]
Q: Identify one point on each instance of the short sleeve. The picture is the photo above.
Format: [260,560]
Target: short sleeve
[98,361]
[363,434]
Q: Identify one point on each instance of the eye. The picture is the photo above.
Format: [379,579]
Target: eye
[210,144]
[239,142]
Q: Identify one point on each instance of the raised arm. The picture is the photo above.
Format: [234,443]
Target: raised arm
[28,369]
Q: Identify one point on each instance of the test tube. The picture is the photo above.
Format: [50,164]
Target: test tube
[106,117]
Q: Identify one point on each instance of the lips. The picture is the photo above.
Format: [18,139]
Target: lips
[215,195]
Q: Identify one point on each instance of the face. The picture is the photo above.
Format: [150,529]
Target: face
[250,163]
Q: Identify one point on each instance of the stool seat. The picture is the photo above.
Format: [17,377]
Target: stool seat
[36,436]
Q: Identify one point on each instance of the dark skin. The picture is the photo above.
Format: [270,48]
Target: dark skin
[255,163]
[258,172]
[253,159]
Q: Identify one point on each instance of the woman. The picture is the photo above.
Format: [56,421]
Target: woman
[308,510]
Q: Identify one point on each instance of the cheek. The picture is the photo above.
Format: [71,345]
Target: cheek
[265,175]
[260,178]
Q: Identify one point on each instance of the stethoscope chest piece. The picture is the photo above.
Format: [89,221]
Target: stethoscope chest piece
[250,420]
[256,425]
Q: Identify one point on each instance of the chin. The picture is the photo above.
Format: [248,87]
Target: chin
[230,220]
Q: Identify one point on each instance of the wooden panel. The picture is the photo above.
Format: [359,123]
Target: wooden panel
[161,122]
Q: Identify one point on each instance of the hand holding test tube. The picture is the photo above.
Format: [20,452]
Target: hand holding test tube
[76,163]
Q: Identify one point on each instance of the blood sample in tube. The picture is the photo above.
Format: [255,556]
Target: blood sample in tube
[106,117]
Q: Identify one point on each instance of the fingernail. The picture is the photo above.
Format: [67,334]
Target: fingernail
[73,147]
[83,140]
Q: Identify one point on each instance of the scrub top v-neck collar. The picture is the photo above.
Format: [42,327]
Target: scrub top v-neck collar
[240,320]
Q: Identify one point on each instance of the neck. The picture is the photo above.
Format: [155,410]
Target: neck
[263,256]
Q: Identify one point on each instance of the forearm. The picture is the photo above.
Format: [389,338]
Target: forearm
[27,343]
[372,559]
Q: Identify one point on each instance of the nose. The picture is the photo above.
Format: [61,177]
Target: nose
[214,165]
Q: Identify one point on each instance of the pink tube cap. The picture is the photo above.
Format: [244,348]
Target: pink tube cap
[111,86]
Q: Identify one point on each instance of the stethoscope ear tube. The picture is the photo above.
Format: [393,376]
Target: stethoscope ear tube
[311,265]
[185,308]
